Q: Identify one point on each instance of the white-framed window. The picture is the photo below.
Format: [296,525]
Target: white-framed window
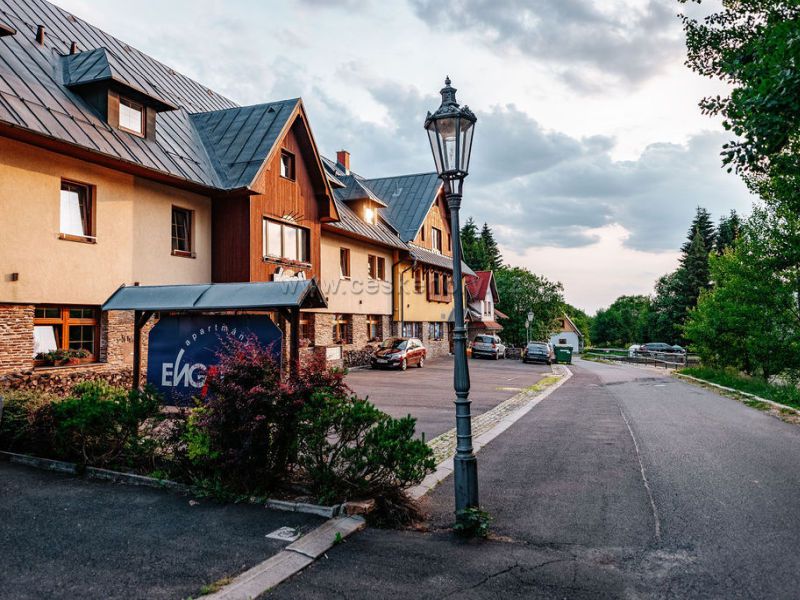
[436,238]
[131,116]
[77,212]
[287,165]
[377,267]
[284,241]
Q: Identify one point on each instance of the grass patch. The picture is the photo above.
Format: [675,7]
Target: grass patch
[783,394]
[543,383]
[212,588]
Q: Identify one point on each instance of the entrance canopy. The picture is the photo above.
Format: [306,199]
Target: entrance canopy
[268,295]
[287,297]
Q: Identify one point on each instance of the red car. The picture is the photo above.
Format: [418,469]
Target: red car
[399,353]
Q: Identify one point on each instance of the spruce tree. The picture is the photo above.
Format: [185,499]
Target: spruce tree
[702,222]
[473,252]
[695,272]
[728,231]
[494,260]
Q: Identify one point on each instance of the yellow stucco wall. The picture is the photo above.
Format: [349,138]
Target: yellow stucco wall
[133,220]
[358,294]
[415,306]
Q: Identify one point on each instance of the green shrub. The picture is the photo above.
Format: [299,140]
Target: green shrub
[99,422]
[26,424]
[350,449]
[472,523]
[787,394]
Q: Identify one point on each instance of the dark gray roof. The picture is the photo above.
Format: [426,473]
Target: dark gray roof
[100,64]
[350,222]
[354,189]
[33,97]
[429,257]
[409,198]
[218,296]
[239,139]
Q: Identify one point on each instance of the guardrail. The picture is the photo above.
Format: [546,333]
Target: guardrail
[657,359]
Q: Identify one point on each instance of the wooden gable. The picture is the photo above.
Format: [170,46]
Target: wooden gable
[438,217]
[303,199]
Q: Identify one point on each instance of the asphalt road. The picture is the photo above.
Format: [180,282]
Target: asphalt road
[427,393]
[624,483]
[66,537]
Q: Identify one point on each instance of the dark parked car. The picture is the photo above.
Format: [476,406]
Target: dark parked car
[400,353]
[488,345]
[539,352]
[656,348]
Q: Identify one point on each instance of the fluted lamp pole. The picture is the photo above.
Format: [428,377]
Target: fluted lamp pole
[450,131]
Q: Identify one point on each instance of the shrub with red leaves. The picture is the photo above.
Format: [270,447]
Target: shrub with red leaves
[251,415]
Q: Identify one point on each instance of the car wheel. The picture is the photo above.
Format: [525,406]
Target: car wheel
[421,362]
[404,365]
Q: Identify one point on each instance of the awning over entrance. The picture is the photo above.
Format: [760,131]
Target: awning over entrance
[286,297]
[218,296]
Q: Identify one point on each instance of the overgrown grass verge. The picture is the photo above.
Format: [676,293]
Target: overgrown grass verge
[783,394]
[544,383]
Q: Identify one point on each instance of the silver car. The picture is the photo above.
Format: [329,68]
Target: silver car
[488,345]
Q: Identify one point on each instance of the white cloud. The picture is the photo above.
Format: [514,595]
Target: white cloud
[588,119]
[595,275]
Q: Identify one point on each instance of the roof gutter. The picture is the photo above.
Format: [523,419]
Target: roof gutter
[40,140]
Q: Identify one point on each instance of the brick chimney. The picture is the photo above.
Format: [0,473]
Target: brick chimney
[343,158]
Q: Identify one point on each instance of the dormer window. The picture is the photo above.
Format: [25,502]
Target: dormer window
[370,215]
[287,165]
[131,116]
[125,102]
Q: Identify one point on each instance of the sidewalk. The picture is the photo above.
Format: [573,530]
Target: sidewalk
[66,537]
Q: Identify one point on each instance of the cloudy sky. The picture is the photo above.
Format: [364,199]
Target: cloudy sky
[590,154]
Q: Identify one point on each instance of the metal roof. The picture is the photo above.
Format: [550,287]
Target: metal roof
[354,189]
[350,222]
[34,97]
[429,257]
[409,198]
[218,296]
[239,139]
[100,64]
[6,29]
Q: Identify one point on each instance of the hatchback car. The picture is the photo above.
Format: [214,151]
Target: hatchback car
[488,345]
[399,353]
[539,352]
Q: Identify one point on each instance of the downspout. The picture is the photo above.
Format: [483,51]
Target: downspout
[402,294]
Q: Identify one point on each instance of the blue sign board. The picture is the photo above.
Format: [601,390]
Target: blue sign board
[182,348]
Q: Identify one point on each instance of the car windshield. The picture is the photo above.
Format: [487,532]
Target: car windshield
[541,347]
[395,344]
[485,339]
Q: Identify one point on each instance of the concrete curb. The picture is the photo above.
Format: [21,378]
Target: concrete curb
[291,560]
[741,393]
[58,466]
[445,468]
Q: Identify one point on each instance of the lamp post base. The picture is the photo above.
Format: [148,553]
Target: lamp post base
[465,474]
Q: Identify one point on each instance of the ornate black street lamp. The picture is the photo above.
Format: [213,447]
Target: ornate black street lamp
[450,131]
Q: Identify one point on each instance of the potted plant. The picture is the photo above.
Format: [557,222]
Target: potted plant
[62,357]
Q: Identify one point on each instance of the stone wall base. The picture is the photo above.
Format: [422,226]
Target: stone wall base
[61,380]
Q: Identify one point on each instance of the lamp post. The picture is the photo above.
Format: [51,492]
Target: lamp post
[450,131]
[528,324]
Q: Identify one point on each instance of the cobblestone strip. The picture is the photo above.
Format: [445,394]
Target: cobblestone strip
[444,445]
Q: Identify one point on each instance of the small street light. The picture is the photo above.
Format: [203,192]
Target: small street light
[450,131]
[528,324]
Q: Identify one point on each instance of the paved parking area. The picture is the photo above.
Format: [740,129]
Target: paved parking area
[66,537]
[427,393]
